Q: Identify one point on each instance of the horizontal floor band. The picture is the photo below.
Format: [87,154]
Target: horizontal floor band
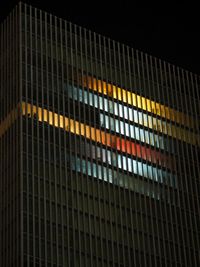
[137,101]
[97,135]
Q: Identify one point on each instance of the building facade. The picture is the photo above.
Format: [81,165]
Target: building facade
[99,150]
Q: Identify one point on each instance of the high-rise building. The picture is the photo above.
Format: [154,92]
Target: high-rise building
[99,150]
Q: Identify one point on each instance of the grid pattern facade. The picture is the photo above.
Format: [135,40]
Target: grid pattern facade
[99,156]
[10,175]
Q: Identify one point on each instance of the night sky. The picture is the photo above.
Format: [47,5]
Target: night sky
[169,32]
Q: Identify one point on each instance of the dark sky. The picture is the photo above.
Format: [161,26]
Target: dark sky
[170,32]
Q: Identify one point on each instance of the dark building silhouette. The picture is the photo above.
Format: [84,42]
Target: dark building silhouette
[99,150]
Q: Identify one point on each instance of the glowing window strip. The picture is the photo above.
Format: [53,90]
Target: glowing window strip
[114,177]
[6,123]
[138,101]
[141,151]
[134,132]
[97,135]
[133,115]
[130,165]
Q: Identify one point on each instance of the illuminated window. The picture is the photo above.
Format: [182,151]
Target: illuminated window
[139,101]
[107,139]
[112,176]
[133,132]
[136,116]
[130,165]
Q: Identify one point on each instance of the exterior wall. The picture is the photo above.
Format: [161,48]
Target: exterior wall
[109,153]
[10,219]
